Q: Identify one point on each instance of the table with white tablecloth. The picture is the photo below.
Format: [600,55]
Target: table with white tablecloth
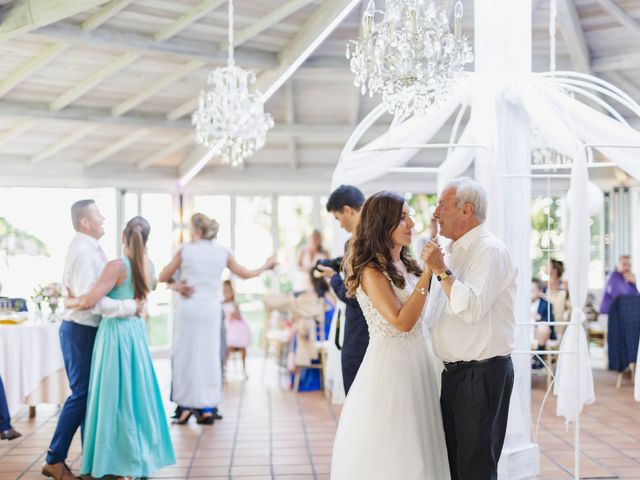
[31,365]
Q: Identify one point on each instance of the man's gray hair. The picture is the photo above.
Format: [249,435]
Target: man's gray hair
[470,191]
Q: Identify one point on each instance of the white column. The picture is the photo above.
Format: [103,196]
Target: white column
[503,51]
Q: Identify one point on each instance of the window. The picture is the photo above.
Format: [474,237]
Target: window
[157,209]
[44,213]
[295,225]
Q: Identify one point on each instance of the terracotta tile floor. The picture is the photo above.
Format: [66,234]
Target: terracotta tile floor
[269,433]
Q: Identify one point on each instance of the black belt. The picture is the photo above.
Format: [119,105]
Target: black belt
[455,366]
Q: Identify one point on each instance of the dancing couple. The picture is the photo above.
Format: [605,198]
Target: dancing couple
[393,425]
[115,397]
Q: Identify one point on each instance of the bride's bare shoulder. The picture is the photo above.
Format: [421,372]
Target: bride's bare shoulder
[373,279]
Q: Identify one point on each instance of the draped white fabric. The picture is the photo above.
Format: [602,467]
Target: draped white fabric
[567,125]
[28,355]
[574,378]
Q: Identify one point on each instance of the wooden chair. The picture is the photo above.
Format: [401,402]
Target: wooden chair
[276,331]
[632,372]
[308,316]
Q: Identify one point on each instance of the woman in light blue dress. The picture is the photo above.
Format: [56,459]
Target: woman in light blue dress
[125,431]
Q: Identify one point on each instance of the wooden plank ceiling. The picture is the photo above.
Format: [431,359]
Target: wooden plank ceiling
[99,85]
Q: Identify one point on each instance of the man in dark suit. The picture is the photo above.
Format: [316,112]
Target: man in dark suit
[345,204]
[541,311]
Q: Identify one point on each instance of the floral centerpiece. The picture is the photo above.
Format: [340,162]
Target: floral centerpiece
[50,294]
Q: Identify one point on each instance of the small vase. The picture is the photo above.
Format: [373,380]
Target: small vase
[53,316]
[38,314]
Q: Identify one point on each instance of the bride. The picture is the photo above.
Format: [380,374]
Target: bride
[391,425]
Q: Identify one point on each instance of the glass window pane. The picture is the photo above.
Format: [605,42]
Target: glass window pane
[157,209]
[253,239]
[130,206]
[253,245]
[295,225]
[40,217]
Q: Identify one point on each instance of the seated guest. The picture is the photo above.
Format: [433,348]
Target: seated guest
[310,378]
[238,333]
[620,282]
[557,293]
[541,311]
[6,430]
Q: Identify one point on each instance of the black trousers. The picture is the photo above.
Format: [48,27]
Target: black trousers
[350,367]
[475,407]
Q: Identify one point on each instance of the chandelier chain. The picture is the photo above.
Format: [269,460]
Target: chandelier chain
[231,59]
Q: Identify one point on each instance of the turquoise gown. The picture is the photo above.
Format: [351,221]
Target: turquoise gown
[125,430]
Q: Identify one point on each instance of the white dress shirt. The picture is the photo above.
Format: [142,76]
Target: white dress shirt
[477,322]
[83,265]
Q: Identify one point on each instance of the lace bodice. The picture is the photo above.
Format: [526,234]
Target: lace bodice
[379,328]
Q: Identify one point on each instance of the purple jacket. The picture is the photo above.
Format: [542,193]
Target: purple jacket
[616,286]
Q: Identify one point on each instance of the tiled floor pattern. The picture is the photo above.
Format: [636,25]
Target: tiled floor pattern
[270,433]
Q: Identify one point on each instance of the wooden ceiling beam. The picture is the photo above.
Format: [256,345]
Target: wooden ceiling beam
[192,16]
[116,147]
[85,86]
[177,48]
[630,23]
[163,153]
[63,143]
[27,15]
[105,14]
[573,34]
[22,73]
[18,129]
[267,21]
[151,90]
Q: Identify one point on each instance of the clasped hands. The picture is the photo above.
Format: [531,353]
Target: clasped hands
[433,257]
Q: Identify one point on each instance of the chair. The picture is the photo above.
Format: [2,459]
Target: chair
[276,332]
[308,317]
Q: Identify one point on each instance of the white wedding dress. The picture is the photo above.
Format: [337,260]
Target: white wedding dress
[391,426]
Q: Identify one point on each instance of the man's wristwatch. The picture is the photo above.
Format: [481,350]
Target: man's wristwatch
[445,274]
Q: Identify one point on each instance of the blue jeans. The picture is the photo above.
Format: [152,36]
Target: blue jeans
[76,342]
[5,418]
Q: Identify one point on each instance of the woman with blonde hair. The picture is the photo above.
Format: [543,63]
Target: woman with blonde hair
[126,433]
[196,271]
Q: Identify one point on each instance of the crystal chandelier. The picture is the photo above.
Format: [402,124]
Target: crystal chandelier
[230,120]
[409,57]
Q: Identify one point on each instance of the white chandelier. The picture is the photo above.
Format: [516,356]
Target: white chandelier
[230,120]
[410,57]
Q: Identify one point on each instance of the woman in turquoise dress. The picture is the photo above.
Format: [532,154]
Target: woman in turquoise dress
[126,433]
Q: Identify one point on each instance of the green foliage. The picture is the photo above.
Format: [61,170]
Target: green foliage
[14,241]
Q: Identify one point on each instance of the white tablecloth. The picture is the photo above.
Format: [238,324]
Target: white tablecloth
[31,365]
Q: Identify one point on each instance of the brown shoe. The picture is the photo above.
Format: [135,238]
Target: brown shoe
[57,471]
[10,434]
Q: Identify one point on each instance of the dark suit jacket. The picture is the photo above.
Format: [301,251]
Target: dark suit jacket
[545,310]
[356,333]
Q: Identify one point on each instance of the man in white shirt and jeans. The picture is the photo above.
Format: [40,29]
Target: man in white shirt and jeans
[83,265]
[471,309]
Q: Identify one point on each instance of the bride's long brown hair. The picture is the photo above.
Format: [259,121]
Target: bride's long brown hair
[371,243]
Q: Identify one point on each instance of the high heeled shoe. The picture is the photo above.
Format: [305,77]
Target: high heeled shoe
[205,420]
[184,417]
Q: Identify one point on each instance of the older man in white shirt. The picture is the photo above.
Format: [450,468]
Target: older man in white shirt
[83,265]
[471,310]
